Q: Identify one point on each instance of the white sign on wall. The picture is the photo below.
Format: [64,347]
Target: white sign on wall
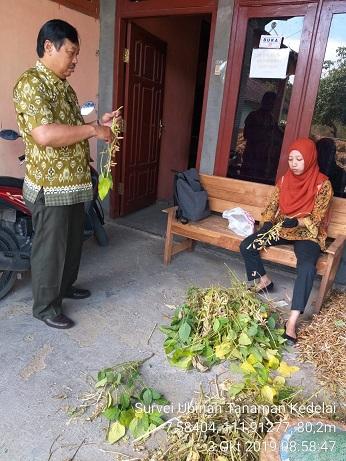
[269,63]
[268,41]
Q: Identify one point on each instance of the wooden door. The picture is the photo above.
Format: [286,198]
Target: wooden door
[144,90]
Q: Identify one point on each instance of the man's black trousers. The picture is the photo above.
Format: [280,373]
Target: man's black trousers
[55,255]
[307,254]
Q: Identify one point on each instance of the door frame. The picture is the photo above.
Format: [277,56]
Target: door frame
[296,124]
[127,10]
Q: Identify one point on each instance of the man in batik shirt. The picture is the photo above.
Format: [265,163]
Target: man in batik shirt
[57,180]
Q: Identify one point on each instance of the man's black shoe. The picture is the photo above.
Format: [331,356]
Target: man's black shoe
[60,321]
[77,293]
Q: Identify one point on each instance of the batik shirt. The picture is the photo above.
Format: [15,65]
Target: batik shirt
[315,224]
[41,98]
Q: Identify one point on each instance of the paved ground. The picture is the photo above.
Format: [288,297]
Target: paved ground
[130,290]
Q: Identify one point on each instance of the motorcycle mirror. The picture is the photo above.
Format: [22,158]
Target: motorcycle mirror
[9,135]
[87,108]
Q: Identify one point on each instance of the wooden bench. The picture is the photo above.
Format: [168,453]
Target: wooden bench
[227,193]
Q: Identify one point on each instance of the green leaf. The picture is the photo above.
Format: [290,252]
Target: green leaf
[101,375]
[252,359]
[197,347]
[279,382]
[271,322]
[111,413]
[101,383]
[216,325]
[124,401]
[182,359]
[155,419]
[169,331]
[287,371]
[126,416]
[231,335]
[268,393]
[244,340]
[147,396]
[110,376]
[262,374]
[223,349]
[139,426]
[273,362]
[104,185]
[116,432]
[155,394]
[184,331]
[247,368]
[252,331]
[169,345]
[235,389]
[236,354]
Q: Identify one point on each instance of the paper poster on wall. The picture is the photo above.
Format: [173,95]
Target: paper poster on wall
[268,63]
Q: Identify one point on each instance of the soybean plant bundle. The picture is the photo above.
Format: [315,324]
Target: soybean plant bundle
[224,323]
[219,428]
[120,396]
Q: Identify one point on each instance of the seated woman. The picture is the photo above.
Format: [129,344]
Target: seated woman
[301,201]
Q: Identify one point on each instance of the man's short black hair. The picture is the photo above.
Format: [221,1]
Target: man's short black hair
[56,31]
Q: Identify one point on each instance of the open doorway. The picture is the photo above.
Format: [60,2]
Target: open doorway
[167,125]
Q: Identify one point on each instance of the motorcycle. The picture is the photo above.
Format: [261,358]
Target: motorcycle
[16,229]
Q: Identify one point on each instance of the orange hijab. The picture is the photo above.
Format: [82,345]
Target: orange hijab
[298,193]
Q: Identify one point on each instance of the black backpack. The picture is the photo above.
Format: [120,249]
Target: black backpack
[190,197]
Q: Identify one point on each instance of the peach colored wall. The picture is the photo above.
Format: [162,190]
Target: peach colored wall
[20,22]
[181,64]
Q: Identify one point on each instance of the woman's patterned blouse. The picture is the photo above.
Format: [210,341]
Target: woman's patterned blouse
[315,224]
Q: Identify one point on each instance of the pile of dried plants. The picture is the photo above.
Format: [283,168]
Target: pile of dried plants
[323,343]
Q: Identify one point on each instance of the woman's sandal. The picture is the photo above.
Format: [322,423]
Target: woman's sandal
[267,289]
[290,340]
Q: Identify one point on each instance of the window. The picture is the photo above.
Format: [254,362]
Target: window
[263,102]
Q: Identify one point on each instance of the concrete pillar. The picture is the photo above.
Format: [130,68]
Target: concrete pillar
[216,85]
[106,64]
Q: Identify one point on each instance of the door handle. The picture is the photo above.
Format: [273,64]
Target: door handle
[161,127]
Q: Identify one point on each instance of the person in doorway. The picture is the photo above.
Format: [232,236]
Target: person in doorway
[326,153]
[263,142]
[57,180]
[300,200]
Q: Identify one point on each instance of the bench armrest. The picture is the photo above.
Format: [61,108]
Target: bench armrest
[170,209]
[336,245]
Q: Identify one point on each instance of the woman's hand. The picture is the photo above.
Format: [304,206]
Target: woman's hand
[290,222]
[266,227]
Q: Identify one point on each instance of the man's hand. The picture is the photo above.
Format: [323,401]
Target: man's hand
[103,132]
[107,118]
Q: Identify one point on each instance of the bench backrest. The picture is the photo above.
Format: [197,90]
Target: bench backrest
[226,193]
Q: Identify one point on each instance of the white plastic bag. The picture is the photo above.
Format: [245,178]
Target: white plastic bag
[240,221]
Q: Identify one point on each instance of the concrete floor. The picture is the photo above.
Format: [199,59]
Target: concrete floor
[131,289]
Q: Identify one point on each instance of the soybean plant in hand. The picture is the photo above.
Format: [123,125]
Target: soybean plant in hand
[108,157]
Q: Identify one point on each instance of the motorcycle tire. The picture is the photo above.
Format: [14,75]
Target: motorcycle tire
[99,231]
[7,278]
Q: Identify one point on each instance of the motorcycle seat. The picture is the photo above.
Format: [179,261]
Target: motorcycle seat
[8,181]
